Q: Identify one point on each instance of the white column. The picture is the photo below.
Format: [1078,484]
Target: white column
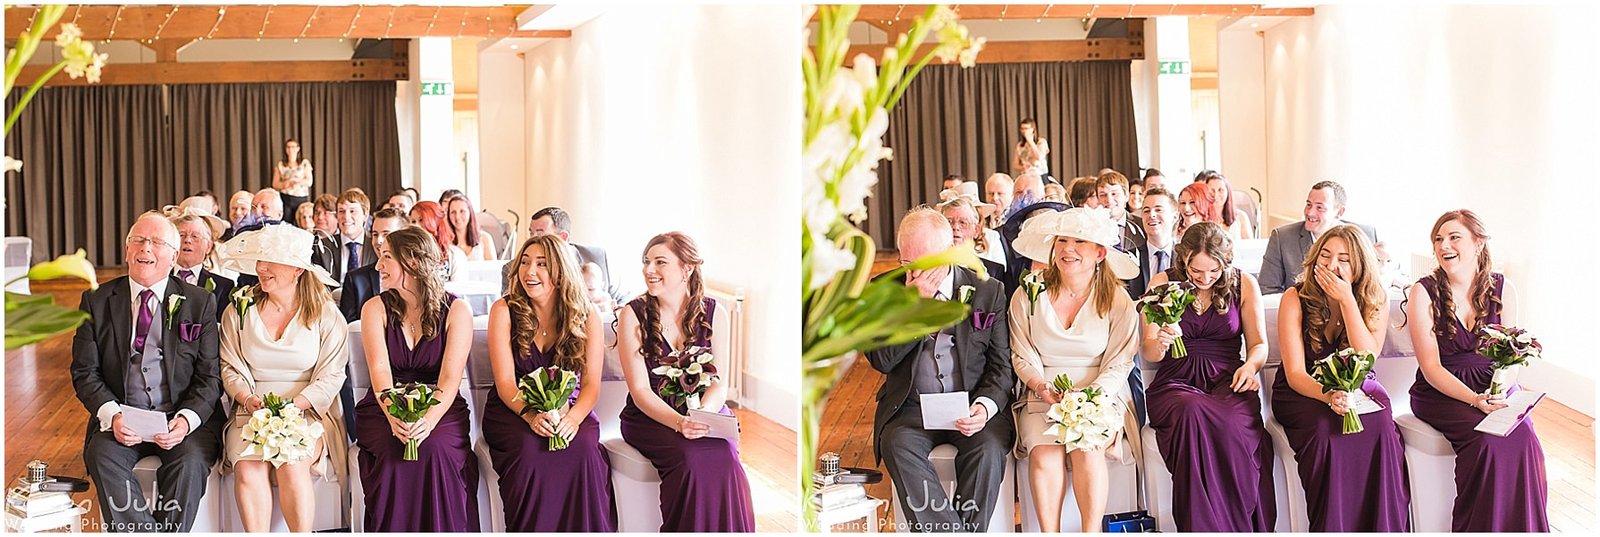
[435,166]
[502,127]
[1241,93]
[1174,147]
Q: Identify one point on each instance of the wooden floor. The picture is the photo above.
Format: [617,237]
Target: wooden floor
[1567,436]
[44,420]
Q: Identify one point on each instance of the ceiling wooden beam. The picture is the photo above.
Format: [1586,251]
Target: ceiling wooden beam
[234,72]
[284,22]
[890,13]
[1066,50]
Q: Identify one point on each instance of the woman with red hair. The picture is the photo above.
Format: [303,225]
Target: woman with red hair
[429,216]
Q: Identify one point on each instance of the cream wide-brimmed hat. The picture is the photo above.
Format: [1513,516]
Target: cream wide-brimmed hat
[969,190]
[218,225]
[283,244]
[1039,233]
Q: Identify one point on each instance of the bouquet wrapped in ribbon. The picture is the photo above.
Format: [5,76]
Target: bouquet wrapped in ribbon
[686,374]
[1163,305]
[279,433]
[1345,371]
[547,390]
[409,403]
[1084,419]
[1506,348]
[1033,284]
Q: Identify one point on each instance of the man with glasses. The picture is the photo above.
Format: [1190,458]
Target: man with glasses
[197,234]
[150,344]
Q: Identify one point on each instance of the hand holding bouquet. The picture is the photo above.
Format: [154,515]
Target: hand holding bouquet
[686,375]
[409,403]
[1345,371]
[278,432]
[547,390]
[1506,348]
[1084,419]
[1163,305]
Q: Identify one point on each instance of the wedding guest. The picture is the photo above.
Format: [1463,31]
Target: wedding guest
[1153,179]
[1160,224]
[122,360]
[362,283]
[400,201]
[546,320]
[964,225]
[1030,155]
[1016,263]
[952,181]
[325,215]
[449,194]
[197,235]
[606,309]
[1223,209]
[967,358]
[429,216]
[1194,205]
[289,341]
[416,332]
[1353,482]
[1205,407]
[303,217]
[238,208]
[1055,192]
[1081,193]
[1084,326]
[1135,195]
[1500,481]
[266,207]
[1111,189]
[1288,244]
[474,243]
[292,176]
[997,189]
[347,250]
[1027,189]
[210,201]
[417,196]
[556,221]
[703,486]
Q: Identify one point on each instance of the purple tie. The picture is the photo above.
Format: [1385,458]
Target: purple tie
[187,276]
[142,328]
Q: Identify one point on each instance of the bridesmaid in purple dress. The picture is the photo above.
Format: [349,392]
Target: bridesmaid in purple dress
[415,332]
[1500,482]
[1353,482]
[1204,407]
[546,319]
[703,486]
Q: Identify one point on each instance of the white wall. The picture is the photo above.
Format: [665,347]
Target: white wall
[1241,107]
[1420,110]
[501,137]
[653,119]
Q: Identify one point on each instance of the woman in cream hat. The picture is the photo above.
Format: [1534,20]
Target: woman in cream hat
[1083,325]
[283,336]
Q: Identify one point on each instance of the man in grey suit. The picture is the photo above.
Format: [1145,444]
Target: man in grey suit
[555,220]
[150,344]
[1287,247]
[973,356]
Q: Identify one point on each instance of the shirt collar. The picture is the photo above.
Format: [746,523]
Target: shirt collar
[196,269]
[160,288]
[948,285]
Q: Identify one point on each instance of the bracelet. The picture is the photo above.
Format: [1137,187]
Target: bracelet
[679,426]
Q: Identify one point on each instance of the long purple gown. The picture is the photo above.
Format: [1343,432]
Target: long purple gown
[438,491]
[703,486]
[568,490]
[1500,482]
[1353,482]
[1211,438]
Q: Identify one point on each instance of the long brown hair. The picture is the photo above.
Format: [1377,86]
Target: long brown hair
[1482,291]
[1103,283]
[570,311]
[1211,239]
[1316,308]
[469,233]
[418,257]
[693,316]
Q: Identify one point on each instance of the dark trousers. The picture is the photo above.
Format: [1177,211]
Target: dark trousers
[980,467]
[180,482]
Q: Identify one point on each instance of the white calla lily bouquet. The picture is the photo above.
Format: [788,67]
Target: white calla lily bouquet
[1083,419]
[279,433]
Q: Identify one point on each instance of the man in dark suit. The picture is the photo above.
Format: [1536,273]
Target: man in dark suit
[555,220]
[150,343]
[1154,253]
[964,227]
[1287,246]
[972,356]
[1112,189]
[197,235]
[348,249]
[362,283]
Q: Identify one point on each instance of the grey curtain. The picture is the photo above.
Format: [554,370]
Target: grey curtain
[97,156]
[955,120]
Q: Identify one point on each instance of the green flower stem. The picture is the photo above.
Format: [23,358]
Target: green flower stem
[1178,350]
[27,43]
[17,111]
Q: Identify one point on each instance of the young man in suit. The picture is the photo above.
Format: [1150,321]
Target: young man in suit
[1112,190]
[970,356]
[348,249]
[197,234]
[150,343]
[1286,248]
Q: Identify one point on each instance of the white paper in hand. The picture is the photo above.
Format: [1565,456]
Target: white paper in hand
[722,425]
[941,410]
[1518,406]
[145,423]
[1361,403]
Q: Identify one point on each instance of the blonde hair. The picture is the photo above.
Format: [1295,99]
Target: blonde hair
[571,308]
[1104,284]
[1317,320]
[309,295]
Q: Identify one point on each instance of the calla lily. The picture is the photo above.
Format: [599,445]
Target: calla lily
[76,266]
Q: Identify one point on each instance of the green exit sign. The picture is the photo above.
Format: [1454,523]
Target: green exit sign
[436,88]
[1174,67]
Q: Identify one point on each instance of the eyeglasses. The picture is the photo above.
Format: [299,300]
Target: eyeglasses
[139,241]
[186,236]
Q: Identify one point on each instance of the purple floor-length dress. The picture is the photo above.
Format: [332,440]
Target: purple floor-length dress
[438,491]
[1353,482]
[1500,482]
[703,486]
[568,490]
[1211,438]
